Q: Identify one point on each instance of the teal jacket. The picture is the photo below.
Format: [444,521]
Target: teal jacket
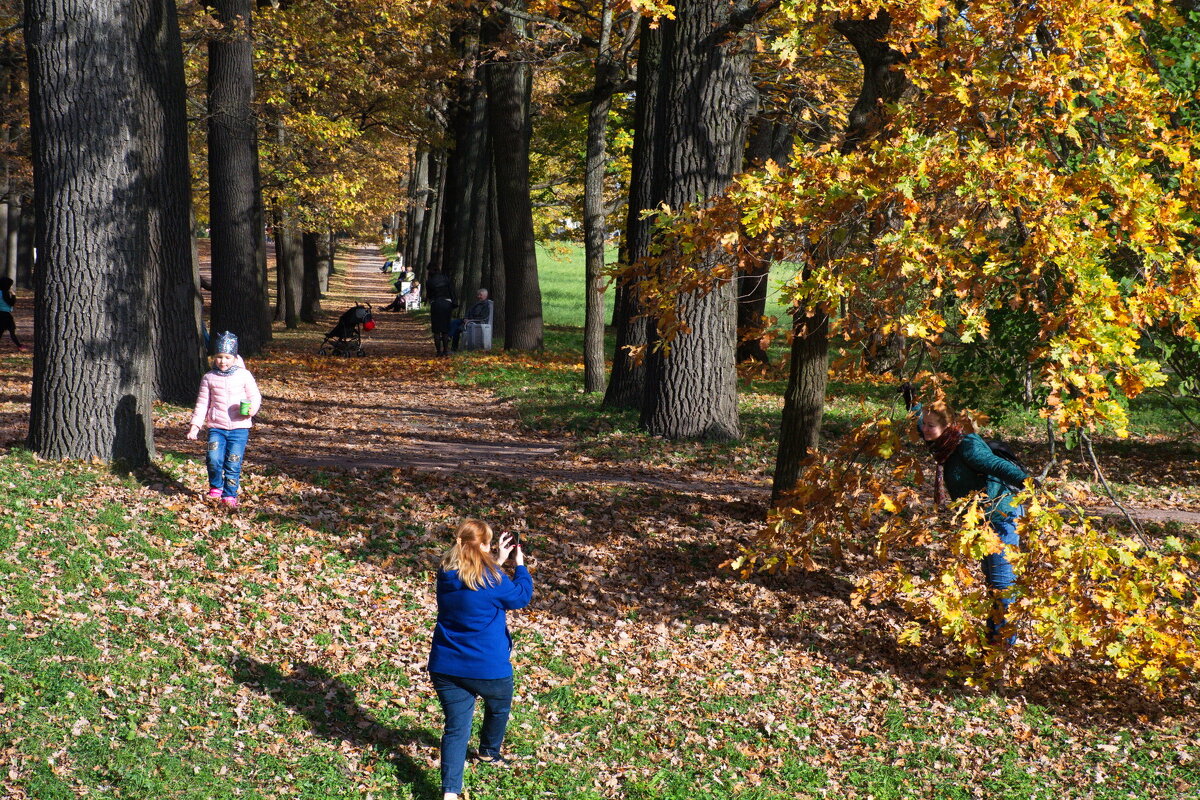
[974,467]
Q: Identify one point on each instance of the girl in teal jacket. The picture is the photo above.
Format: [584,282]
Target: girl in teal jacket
[965,464]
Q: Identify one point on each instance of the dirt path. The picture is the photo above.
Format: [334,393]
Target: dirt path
[398,408]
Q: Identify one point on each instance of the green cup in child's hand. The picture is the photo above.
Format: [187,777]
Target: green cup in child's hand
[244,408]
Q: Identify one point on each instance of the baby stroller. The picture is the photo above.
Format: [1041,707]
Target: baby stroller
[343,339]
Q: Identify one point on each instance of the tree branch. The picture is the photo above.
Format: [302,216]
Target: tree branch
[558,25]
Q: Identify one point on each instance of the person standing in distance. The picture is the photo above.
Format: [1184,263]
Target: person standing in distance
[470,656]
[439,292]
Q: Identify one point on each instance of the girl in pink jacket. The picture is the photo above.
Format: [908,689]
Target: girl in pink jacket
[228,398]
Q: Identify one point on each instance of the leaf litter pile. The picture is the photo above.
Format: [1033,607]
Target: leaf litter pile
[156,645]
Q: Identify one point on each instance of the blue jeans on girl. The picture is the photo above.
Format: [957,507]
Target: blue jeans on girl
[457,696]
[225,451]
[998,572]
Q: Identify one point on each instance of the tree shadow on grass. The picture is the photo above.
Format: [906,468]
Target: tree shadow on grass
[334,714]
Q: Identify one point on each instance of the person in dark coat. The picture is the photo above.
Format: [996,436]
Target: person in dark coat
[439,292]
[470,655]
[966,464]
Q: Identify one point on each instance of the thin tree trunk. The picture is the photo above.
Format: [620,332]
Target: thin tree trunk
[25,265]
[594,232]
[707,96]
[12,233]
[496,283]
[627,384]
[281,282]
[310,303]
[437,230]
[804,400]
[93,364]
[510,84]
[293,273]
[324,264]
[239,296]
[768,141]
[418,210]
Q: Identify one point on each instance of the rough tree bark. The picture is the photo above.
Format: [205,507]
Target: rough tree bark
[707,96]
[239,295]
[804,400]
[94,190]
[627,383]
[510,83]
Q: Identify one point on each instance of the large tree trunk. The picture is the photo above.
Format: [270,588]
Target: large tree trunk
[594,231]
[239,295]
[466,167]
[510,83]
[707,98]
[175,308]
[804,401]
[94,188]
[627,384]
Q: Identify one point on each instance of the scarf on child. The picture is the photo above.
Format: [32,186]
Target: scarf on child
[227,372]
[942,448]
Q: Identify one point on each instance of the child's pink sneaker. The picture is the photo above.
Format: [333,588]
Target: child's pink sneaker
[230,501]
[213,494]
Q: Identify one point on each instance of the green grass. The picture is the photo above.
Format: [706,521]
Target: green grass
[142,656]
[560,275]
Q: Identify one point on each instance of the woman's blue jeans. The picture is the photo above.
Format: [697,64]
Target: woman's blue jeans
[226,449]
[998,572]
[457,696]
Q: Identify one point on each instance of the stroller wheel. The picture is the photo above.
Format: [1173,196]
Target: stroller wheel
[361,352]
[324,350]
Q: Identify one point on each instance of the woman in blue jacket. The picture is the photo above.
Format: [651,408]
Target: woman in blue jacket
[471,645]
[965,464]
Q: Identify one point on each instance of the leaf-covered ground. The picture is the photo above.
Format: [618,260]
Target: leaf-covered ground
[153,645]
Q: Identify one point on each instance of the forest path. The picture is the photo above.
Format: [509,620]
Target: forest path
[398,407]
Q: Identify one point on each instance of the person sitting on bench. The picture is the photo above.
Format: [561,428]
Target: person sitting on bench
[480,313]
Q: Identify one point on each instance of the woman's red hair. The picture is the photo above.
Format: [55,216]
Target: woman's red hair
[476,567]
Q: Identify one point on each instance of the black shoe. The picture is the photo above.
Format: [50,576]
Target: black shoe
[491,760]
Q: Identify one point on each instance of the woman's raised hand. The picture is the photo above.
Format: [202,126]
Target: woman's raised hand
[506,547]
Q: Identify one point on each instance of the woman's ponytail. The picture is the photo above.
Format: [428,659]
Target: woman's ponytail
[476,567]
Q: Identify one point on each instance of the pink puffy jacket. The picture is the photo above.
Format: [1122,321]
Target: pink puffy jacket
[220,395]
